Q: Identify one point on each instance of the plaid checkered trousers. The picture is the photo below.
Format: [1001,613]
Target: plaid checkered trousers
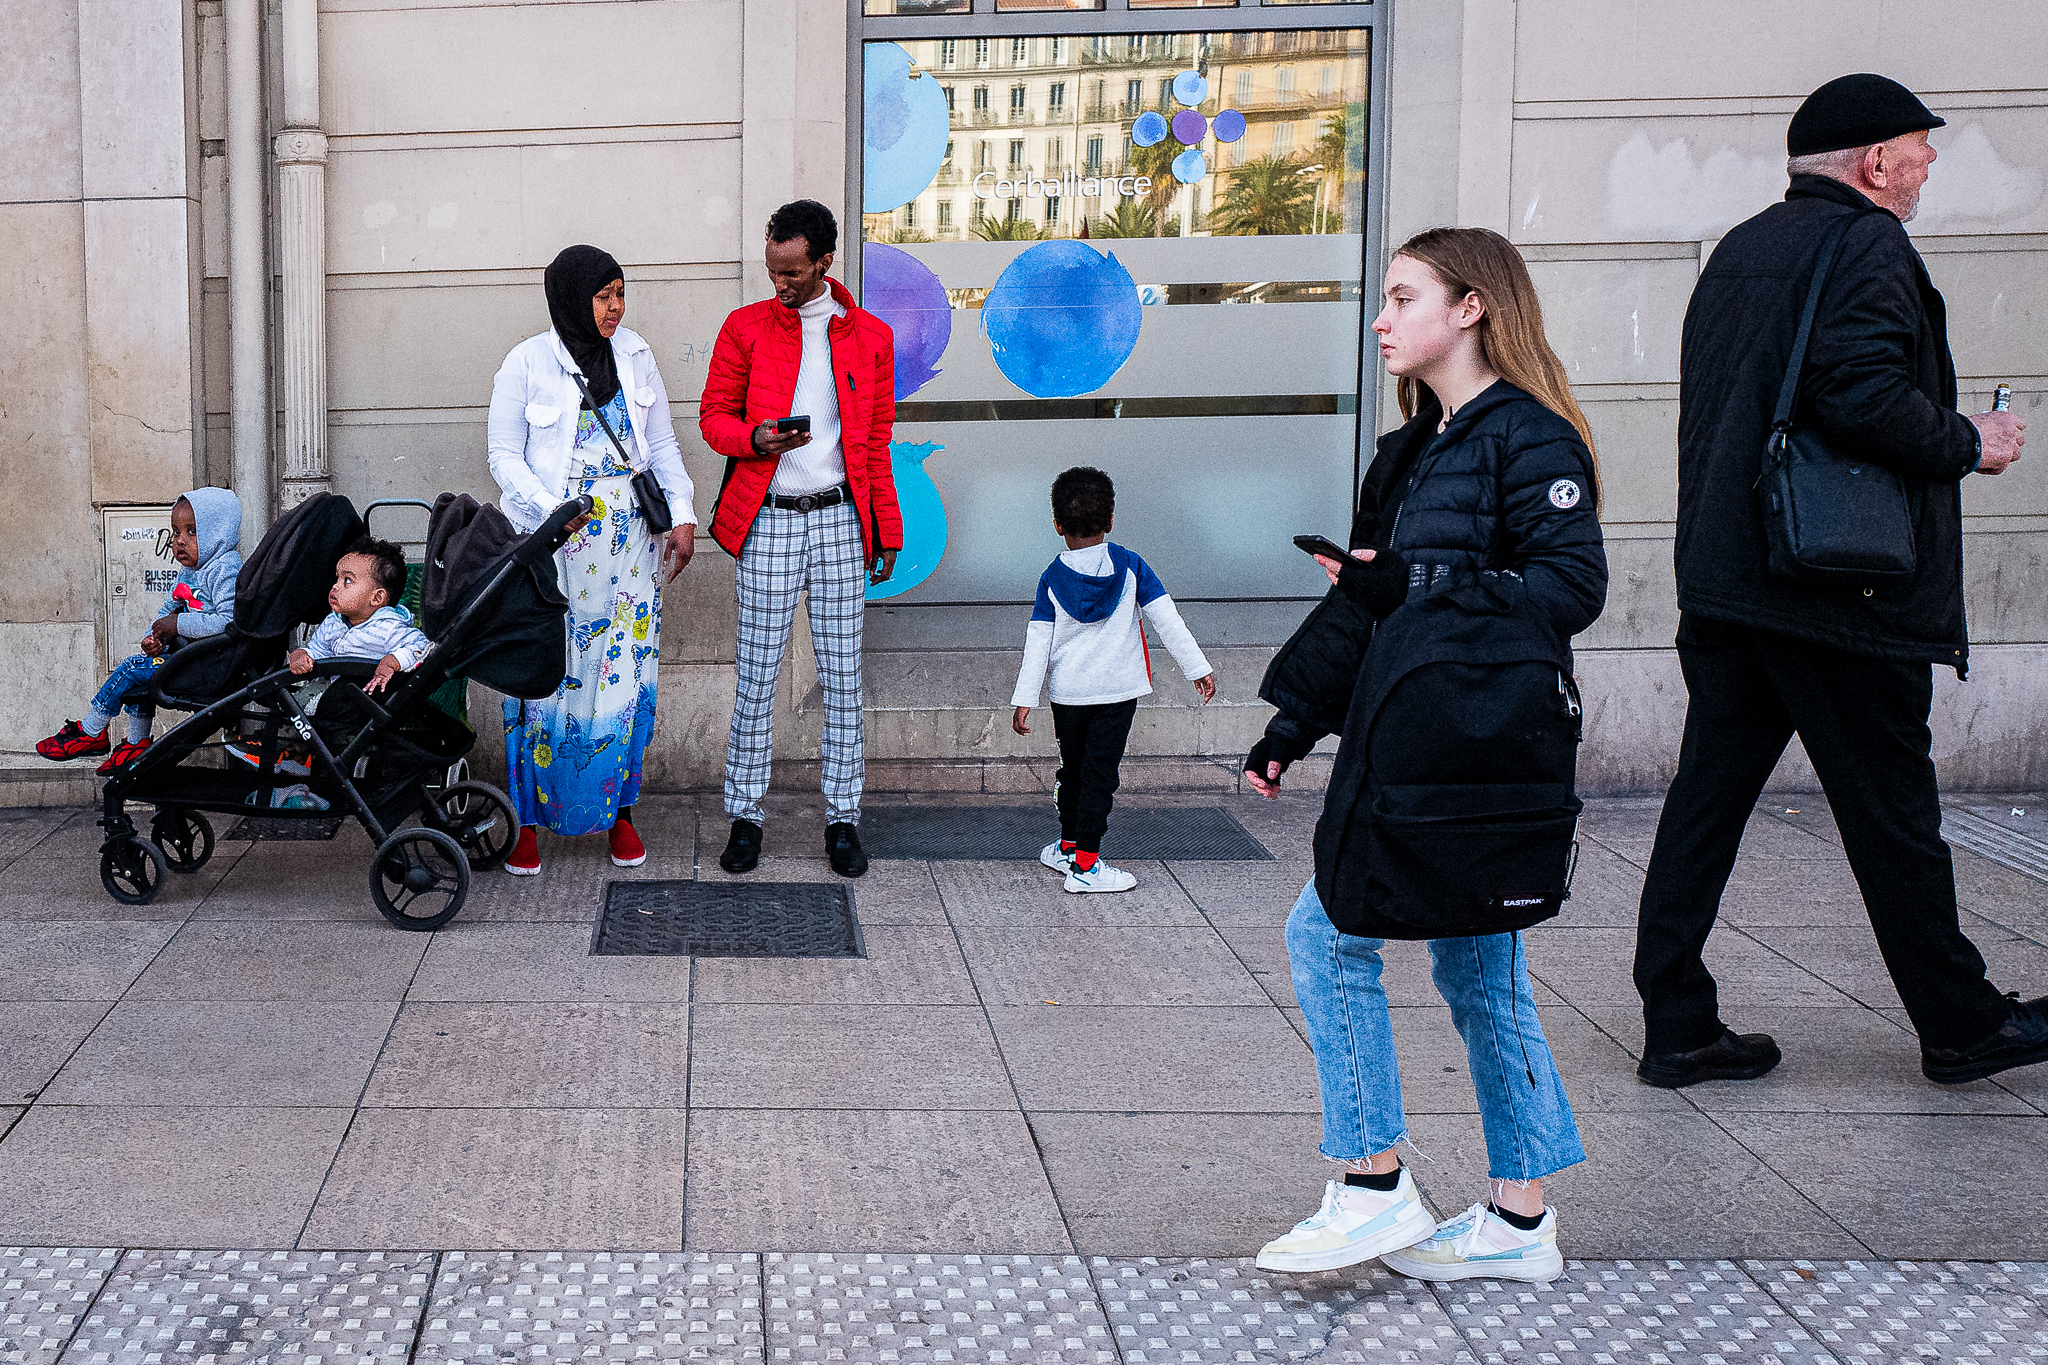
[787,553]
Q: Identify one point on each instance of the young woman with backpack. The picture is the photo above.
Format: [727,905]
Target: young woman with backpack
[1442,656]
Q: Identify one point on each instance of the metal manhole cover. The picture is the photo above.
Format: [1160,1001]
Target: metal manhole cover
[727,919]
[264,829]
[947,833]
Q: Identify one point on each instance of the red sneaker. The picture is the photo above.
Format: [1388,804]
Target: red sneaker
[72,742]
[525,859]
[627,850]
[123,755]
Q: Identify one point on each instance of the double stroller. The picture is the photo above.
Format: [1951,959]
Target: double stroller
[490,602]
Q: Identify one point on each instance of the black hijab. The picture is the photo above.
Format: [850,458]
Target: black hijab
[572,281]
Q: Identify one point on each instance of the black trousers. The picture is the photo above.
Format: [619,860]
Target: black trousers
[1092,740]
[1864,724]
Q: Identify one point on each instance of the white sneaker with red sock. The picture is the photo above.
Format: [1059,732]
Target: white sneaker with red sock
[1097,875]
[1057,855]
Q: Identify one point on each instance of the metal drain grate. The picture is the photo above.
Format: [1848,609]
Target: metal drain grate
[264,829]
[950,833]
[2007,847]
[727,919]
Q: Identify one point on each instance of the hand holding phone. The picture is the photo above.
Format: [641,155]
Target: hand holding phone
[1321,545]
[791,425]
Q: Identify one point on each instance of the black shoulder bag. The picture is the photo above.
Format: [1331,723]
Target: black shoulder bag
[1832,519]
[646,488]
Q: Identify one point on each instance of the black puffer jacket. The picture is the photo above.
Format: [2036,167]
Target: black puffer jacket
[1878,374]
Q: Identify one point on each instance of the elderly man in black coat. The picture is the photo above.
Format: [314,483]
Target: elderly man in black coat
[1846,668]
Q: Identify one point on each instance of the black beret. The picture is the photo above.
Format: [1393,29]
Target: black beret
[1856,111]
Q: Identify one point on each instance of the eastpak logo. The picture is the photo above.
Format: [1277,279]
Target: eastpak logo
[1522,902]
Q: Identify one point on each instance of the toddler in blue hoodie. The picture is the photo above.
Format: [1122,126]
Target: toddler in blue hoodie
[1085,625]
[206,537]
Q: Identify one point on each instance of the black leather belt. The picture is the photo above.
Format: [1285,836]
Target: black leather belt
[811,502]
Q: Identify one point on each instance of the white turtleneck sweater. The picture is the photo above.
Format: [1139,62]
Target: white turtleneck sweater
[821,464]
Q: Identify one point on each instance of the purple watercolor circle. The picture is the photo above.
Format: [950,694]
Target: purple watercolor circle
[1188,126]
[1229,126]
[1148,128]
[902,291]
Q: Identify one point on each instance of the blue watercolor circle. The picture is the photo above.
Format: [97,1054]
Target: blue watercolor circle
[924,518]
[1189,166]
[1228,126]
[1062,319]
[1149,128]
[1190,88]
[903,130]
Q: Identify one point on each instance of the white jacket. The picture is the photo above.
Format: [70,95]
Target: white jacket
[532,429]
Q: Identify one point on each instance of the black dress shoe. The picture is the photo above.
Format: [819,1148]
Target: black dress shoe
[743,850]
[842,846]
[1731,1057]
[2021,1040]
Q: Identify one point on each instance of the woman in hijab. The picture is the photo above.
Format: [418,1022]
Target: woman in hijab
[578,411]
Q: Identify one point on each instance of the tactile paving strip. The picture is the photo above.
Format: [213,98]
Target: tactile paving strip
[43,1294]
[727,919]
[910,1308]
[218,1307]
[561,1306]
[1192,1312]
[1637,1311]
[1871,1312]
[949,833]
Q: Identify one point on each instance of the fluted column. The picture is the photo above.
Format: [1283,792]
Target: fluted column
[302,337]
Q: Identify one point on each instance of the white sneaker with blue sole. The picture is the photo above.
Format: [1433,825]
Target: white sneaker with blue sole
[1481,1245]
[1354,1224]
[1101,877]
[1056,858]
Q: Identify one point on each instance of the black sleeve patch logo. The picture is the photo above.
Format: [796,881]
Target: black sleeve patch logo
[1564,494]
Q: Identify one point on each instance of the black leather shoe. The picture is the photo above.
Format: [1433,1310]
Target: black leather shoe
[2021,1040]
[842,846]
[1731,1057]
[743,850]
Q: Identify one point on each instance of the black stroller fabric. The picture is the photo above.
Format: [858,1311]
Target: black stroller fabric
[520,645]
[286,581]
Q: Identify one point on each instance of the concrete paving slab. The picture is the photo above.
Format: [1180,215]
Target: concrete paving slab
[1599,1077]
[44,1294]
[1606,889]
[268,886]
[534,1055]
[807,868]
[870,1180]
[1588,967]
[227,1054]
[1201,1310]
[78,961]
[1262,949]
[1405,968]
[1030,895]
[504,1179]
[563,893]
[60,879]
[1632,1310]
[1792,893]
[1214,1185]
[35,1038]
[541,962]
[845,1057]
[2000,893]
[1987,1206]
[1909,1311]
[21,829]
[878,1307]
[1243,893]
[1653,1185]
[292,960]
[1848,960]
[490,1307]
[1157,1059]
[1836,1061]
[897,891]
[175,1307]
[905,965]
[667,825]
[184,1175]
[1107,967]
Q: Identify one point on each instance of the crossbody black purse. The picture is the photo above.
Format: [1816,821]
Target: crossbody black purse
[1831,519]
[646,488]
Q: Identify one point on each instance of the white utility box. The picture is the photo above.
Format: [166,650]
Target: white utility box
[140,573]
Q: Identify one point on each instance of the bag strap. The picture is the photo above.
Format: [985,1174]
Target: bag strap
[1788,392]
[598,413]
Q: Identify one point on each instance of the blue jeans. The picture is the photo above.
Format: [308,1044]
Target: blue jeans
[131,672]
[1530,1132]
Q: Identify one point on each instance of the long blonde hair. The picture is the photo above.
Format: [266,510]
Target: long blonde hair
[1481,261]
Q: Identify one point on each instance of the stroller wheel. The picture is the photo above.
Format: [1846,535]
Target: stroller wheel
[480,818]
[185,837]
[132,870]
[457,775]
[419,879]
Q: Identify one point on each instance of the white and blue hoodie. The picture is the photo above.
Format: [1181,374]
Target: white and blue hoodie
[388,631]
[1085,625]
[204,597]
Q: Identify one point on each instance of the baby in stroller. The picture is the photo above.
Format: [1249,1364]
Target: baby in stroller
[365,618]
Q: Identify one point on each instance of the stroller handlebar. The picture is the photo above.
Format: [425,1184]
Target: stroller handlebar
[553,533]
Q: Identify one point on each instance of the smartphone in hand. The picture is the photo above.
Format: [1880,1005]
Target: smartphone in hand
[790,426]
[1321,545]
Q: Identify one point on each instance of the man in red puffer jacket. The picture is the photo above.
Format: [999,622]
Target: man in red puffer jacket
[803,511]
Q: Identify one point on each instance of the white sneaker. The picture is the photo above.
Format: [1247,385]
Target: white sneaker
[1354,1224]
[1056,858]
[1101,877]
[1481,1245]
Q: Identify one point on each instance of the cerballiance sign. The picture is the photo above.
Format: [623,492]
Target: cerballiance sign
[1066,185]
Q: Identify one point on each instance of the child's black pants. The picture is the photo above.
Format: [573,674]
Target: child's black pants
[1092,742]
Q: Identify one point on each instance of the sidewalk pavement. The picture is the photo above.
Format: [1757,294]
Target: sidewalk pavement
[1099,1106]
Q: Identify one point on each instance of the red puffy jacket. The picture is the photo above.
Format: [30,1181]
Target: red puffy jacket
[753,380]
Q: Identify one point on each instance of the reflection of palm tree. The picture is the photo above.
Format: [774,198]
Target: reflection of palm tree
[1020,229]
[1131,219]
[1341,149]
[1267,198]
[1157,162]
